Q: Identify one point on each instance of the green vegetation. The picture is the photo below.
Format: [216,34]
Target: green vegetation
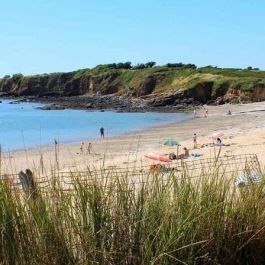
[172,77]
[17,77]
[169,221]
[178,76]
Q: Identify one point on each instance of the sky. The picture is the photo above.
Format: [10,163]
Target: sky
[43,36]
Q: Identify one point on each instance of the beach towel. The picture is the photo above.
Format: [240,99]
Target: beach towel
[197,155]
[246,180]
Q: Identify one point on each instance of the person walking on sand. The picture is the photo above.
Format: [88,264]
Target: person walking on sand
[206,113]
[194,113]
[89,148]
[194,140]
[102,132]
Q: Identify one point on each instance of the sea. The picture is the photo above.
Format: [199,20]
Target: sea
[23,125]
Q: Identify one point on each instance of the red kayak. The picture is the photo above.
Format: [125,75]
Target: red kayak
[158,158]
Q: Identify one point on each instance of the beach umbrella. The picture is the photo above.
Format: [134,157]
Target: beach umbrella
[216,135]
[171,142]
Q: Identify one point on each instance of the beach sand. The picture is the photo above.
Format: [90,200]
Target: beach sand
[244,131]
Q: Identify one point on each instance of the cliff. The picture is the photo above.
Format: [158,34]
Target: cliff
[158,86]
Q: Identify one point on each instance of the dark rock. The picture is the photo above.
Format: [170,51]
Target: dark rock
[89,105]
[52,107]
[147,86]
[219,101]
[180,106]
[200,92]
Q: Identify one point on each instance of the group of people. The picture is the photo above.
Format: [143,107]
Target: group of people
[88,149]
[218,141]
[207,112]
[186,153]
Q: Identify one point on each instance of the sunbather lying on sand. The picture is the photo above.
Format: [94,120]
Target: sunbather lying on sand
[220,143]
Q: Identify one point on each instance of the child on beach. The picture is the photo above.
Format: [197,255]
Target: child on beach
[82,147]
[89,148]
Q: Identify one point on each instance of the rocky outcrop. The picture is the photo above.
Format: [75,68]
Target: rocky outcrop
[45,85]
[146,86]
[119,88]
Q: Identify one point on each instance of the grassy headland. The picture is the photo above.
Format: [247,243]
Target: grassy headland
[170,84]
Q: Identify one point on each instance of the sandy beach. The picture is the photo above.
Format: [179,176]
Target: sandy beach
[244,133]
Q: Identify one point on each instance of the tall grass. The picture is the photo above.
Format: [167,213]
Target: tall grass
[160,221]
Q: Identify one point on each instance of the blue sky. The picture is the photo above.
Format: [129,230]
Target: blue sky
[42,36]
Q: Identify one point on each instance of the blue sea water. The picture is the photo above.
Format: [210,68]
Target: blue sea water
[23,126]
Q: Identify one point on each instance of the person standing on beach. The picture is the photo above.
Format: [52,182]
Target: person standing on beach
[82,148]
[89,148]
[194,113]
[206,113]
[194,140]
[102,132]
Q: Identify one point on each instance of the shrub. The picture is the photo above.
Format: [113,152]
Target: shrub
[150,64]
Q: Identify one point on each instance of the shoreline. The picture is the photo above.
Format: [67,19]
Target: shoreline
[74,142]
[115,134]
[244,132]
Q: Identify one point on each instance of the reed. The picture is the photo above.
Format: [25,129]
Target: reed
[162,220]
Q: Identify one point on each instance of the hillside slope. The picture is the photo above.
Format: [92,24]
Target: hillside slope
[159,86]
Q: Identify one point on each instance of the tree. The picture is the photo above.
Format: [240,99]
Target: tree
[150,64]
[190,65]
[17,77]
[112,65]
[127,65]
[139,66]
[175,65]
